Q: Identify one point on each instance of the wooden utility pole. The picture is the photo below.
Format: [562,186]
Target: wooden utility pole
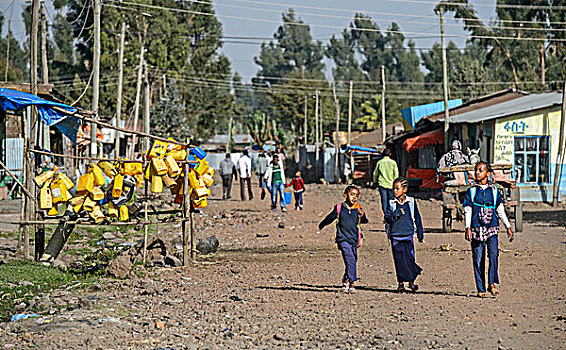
[138,93]
[32,127]
[95,76]
[44,70]
[350,113]
[229,143]
[8,50]
[316,155]
[337,138]
[444,81]
[306,124]
[560,155]
[120,83]
[383,123]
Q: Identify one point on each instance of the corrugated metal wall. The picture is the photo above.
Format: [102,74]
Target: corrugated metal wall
[14,157]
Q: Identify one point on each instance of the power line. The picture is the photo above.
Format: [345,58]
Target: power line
[433,35]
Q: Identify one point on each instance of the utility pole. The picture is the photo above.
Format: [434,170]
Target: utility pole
[138,92]
[120,83]
[229,143]
[146,105]
[316,132]
[350,113]
[306,125]
[44,69]
[383,124]
[8,50]
[560,155]
[337,138]
[95,77]
[444,81]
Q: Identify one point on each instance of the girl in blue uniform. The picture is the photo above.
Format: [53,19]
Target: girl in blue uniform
[483,207]
[403,220]
[349,215]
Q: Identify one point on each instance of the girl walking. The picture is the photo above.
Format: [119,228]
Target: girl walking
[349,216]
[403,220]
[298,189]
[483,207]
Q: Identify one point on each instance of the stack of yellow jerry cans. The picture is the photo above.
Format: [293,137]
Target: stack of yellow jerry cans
[114,183]
[54,189]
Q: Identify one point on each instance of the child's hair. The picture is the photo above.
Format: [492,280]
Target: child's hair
[487,165]
[298,173]
[349,188]
[402,181]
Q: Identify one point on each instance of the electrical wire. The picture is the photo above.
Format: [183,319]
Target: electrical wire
[433,35]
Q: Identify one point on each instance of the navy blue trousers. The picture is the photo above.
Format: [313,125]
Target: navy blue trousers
[386,195]
[478,259]
[350,256]
[406,268]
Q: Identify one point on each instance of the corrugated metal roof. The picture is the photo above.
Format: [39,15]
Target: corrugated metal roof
[519,105]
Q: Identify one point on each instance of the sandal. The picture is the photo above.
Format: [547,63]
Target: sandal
[401,288]
[413,287]
[482,295]
[493,290]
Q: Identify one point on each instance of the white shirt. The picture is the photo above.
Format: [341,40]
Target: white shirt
[245,166]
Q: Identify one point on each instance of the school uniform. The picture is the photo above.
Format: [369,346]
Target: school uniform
[482,214]
[403,221]
[346,237]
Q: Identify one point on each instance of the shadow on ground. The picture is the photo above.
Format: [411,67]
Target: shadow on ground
[546,217]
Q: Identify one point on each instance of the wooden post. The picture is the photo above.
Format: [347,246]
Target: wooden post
[33,123]
[444,82]
[95,77]
[138,92]
[383,123]
[120,83]
[8,49]
[350,129]
[337,138]
[316,155]
[560,155]
[193,237]
[147,145]
[44,70]
[186,210]
[145,205]
[306,124]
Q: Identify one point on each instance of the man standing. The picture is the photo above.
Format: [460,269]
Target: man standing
[385,173]
[261,168]
[227,170]
[275,177]
[245,168]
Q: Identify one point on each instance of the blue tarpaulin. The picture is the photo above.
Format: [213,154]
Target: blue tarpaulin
[358,149]
[412,115]
[17,100]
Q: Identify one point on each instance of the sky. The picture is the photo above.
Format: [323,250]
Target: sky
[247,23]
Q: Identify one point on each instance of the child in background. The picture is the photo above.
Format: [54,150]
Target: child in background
[403,221]
[349,215]
[483,207]
[298,190]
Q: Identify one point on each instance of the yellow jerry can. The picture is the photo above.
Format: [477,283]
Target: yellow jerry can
[53,211]
[108,168]
[193,182]
[97,193]
[207,179]
[158,149]
[148,173]
[200,203]
[201,192]
[117,186]
[173,168]
[202,167]
[168,181]
[68,182]
[99,179]
[96,214]
[124,213]
[156,183]
[77,200]
[43,178]
[59,191]
[159,166]
[86,182]
[45,199]
[88,204]
[112,211]
[178,155]
[132,169]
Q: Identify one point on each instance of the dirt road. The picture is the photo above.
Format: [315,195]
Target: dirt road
[271,286]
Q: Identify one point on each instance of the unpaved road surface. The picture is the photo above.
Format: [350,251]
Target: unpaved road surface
[283,290]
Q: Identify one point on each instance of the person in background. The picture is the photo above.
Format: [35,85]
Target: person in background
[261,168]
[245,168]
[281,156]
[453,158]
[227,170]
[275,178]
[385,173]
[298,185]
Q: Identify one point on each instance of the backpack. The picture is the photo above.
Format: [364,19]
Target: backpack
[360,231]
[473,196]
[393,204]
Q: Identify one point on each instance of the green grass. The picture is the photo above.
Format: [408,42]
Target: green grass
[44,279]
